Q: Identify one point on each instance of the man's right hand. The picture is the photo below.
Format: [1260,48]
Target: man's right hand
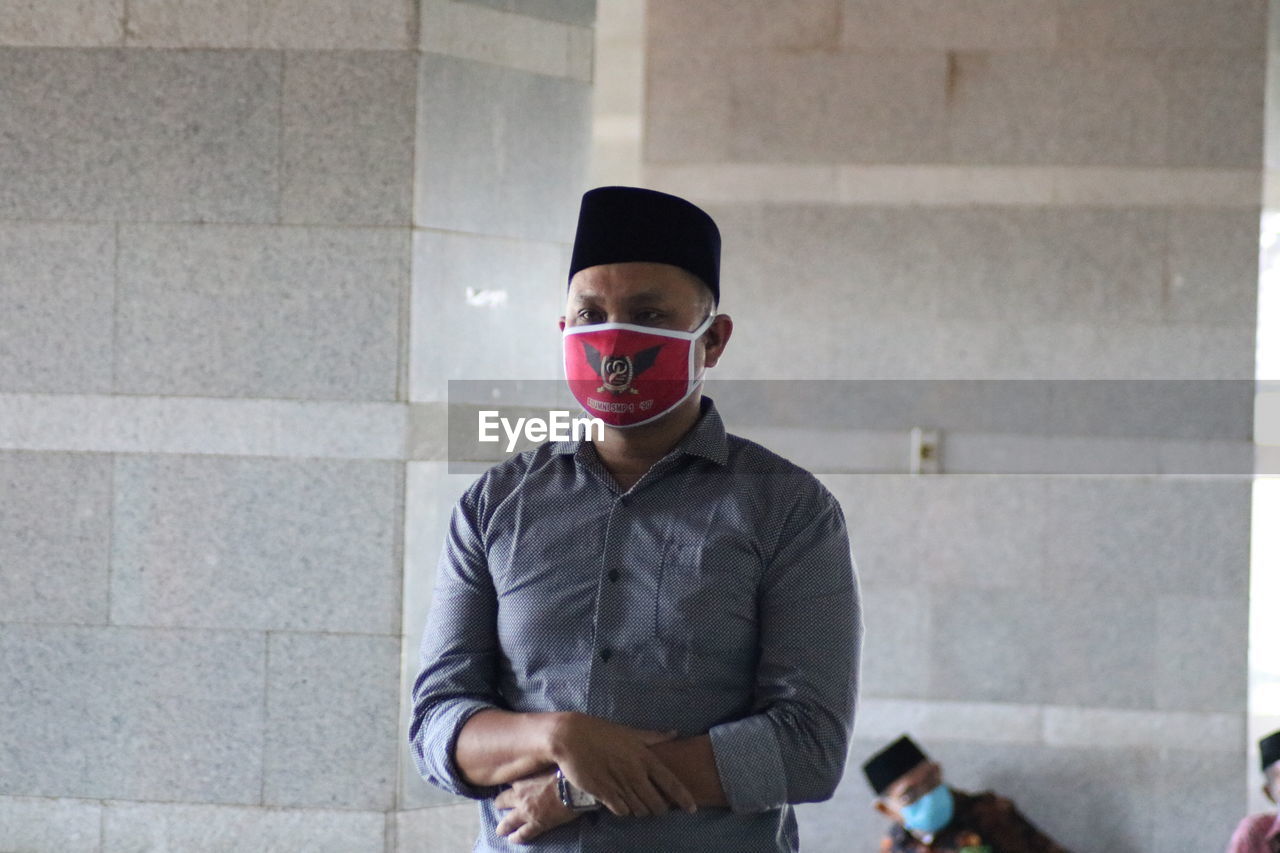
[614,763]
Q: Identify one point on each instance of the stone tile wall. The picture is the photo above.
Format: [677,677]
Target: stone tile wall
[242,245]
[1030,190]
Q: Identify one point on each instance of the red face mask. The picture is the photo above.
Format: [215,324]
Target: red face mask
[629,375]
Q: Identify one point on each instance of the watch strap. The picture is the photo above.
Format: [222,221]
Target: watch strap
[574,797]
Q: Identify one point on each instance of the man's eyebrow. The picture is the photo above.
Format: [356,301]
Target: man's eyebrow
[643,297]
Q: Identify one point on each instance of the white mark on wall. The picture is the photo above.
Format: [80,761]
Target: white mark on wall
[486,298]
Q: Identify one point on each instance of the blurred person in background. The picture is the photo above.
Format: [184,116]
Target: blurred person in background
[1260,833]
[929,815]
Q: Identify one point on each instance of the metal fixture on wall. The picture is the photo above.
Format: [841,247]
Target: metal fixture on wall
[925,456]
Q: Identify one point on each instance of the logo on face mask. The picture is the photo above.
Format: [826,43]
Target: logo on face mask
[629,375]
[618,371]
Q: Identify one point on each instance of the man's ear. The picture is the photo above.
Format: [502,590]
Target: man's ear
[1266,791]
[562,322]
[879,806]
[717,336]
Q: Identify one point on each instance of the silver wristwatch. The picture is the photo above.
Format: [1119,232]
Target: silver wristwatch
[574,797]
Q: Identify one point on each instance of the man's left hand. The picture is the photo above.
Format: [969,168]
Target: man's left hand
[534,807]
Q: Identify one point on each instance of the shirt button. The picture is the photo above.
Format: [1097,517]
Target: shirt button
[614,575]
[606,653]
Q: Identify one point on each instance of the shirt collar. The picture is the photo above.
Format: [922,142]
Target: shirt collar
[706,438]
[1274,831]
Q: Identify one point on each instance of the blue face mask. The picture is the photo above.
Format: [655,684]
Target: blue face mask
[931,812]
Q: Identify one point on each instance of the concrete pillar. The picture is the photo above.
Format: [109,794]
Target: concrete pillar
[240,247]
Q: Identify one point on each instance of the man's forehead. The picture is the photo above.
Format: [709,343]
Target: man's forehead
[633,283]
[634,271]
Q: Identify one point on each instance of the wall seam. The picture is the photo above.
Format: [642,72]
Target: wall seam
[390,840]
[179,629]
[111,524]
[404,394]
[280,138]
[115,307]
[1166,268]
[107,802]
[404,353]
[102,825]
[111,457]
[222,223]
[399,513]
[266,716]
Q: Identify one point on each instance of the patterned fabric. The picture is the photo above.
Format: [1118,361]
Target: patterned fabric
[982,823]
[716,595]
[1259,833]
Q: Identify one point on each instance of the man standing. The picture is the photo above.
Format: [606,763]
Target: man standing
[647,642]
[1260,833]
[928,815]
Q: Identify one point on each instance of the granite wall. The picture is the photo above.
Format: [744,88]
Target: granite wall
[1022,190]
[241,247]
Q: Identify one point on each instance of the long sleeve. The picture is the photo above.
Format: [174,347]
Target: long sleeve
[793,748]
[1251,834]
[458,652]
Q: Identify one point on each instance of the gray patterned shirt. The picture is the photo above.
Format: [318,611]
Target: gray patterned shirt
[716,595]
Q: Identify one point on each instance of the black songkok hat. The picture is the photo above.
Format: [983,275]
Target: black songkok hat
[621,224]
[888,765]
[1269,746]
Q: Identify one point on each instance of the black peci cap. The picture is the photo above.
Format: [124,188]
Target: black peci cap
[621,224]
[1269,746]
[889,764]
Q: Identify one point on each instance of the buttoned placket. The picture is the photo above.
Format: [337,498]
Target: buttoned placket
[645,569]
[610,596]
[608,602]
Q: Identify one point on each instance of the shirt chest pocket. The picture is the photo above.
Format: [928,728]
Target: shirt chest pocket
[706,600]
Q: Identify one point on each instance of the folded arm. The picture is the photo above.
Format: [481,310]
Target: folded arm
[793,748]
[680,772]
[465,741]
[613,762]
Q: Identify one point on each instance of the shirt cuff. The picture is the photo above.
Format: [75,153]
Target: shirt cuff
[442,769]
[749,763]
